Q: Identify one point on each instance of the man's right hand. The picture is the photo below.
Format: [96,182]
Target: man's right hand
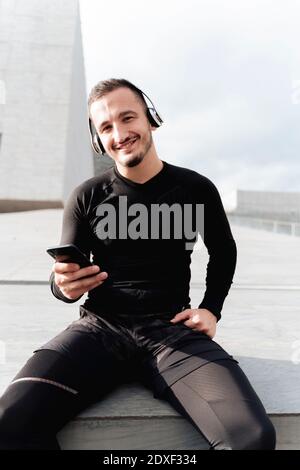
[68,278]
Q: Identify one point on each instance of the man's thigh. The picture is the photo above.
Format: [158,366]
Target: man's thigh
[173,351]
[220,402]
[44,395]
[76,368]
[95,354]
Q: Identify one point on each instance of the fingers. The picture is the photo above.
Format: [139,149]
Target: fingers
[60,267]
[74,282]
[181,316]
[195,318]
[71,271]
[75,289]
[195,321]
[83,272]
[87,283]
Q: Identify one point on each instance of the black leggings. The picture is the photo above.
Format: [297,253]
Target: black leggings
[217,398]
[220,402]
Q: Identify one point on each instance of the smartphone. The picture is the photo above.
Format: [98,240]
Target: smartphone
[70,254]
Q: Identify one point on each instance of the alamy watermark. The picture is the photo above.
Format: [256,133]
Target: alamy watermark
[159,221]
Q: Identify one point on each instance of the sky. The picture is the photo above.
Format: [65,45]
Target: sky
[224,76]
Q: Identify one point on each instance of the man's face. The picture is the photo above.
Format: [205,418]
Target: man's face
[123,127]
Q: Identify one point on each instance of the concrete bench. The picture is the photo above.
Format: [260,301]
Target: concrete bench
[130,418]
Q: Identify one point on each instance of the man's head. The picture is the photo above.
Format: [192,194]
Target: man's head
[119,114]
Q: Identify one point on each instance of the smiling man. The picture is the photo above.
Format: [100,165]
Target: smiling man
[126,133]
[137,322]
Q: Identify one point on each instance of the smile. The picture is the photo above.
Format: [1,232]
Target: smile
[128,145]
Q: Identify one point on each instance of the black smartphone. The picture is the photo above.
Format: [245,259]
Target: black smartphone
[71,254]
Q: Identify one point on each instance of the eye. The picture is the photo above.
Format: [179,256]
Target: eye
[105,128]
[128,117]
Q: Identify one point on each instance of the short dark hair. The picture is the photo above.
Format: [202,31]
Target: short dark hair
[104,87]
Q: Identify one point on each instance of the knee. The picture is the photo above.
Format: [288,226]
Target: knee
[9,423]
[261,436]
[14,424]
[7,418]
[266,436]
[17,432]
[252,434]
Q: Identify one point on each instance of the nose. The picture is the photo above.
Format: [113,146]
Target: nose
[120,134]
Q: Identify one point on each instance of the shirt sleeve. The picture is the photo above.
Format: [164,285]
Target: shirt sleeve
[222,251]
[76,231]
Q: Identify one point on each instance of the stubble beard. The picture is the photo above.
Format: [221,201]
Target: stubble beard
[139,157]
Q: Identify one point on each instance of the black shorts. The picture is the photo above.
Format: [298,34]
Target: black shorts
[148,347]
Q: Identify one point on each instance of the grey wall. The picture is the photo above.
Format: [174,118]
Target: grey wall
[79,163]
[36,44]
[284,206]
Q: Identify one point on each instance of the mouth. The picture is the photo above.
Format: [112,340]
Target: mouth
[129,144]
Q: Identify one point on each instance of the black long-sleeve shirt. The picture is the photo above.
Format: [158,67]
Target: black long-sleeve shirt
[149,274]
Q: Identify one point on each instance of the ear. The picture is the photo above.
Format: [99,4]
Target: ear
[153,128]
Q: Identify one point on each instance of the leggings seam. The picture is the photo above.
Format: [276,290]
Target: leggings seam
[50,382]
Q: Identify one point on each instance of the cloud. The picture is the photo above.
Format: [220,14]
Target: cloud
[222,75]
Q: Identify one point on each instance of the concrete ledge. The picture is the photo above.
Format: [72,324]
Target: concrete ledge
[20,205]
[130,418]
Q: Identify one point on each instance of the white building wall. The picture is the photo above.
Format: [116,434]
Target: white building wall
[79,162]
[36,43]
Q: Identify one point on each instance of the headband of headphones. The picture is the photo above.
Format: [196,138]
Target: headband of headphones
[152,115]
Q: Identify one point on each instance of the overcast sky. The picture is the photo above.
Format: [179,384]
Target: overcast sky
[224,75]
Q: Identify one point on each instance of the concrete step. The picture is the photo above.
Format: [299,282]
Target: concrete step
[130,418]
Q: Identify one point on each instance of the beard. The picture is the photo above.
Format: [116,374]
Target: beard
[137,158]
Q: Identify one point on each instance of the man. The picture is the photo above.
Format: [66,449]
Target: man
[140,221]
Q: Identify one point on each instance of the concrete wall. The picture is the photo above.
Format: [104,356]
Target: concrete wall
[79,163]
[36,44]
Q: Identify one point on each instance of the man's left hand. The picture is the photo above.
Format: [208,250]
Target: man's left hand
[199,319]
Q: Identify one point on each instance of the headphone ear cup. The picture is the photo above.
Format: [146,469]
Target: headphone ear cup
[102,149]
[95,140]
[98,144]
[154,117]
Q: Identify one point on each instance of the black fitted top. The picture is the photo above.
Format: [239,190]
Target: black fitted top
[149,273]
